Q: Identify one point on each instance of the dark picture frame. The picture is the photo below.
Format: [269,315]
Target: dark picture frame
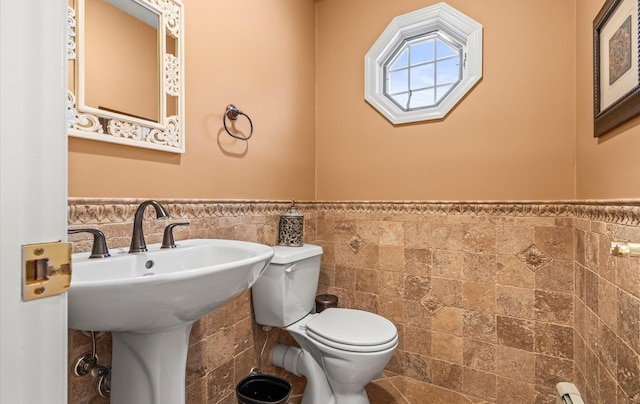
[616,65]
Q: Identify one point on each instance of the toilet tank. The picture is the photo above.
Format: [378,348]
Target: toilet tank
[286,290]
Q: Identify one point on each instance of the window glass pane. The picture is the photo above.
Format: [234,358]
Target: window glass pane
[420,99]
[421,52]
[423,72]
[401,99]
[448,71]
[422,76]
[402,61]
[443,49]
[441,91]
[398,81]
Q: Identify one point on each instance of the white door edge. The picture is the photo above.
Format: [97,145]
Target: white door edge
[33,195]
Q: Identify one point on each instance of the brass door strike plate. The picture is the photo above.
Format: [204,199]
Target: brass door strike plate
[46,269]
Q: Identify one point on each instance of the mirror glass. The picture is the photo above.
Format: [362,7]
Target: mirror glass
[131,86]
[126,69]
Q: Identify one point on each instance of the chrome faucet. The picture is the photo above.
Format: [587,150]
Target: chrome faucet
[137,239]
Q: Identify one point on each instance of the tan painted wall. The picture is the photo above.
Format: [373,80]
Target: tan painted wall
[512,137]
[607,167]
[517,135]
[256,54]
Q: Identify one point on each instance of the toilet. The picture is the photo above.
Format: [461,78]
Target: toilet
[341,350]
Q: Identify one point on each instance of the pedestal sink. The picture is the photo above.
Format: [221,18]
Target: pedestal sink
[149,301]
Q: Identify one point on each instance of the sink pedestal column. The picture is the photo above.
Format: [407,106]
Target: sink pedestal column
[150,368]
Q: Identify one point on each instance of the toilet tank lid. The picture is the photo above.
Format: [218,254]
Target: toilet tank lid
[287,255]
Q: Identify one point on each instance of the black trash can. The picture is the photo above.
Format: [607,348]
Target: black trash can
[263,389]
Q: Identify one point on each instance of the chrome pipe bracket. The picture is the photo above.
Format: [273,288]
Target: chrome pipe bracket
[625,249]
[85,363]
[104,384]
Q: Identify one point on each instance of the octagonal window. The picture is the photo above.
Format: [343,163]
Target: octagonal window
[423,64]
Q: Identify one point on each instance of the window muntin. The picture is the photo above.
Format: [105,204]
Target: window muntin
[422,71]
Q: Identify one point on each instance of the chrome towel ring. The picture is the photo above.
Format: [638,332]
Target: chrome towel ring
[232,113]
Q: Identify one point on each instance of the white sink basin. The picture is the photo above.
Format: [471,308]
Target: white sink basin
[161,288]
[149,300]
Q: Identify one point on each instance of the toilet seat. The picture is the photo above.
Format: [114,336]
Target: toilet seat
[352,330]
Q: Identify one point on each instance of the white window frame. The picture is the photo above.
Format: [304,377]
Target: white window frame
[440,17]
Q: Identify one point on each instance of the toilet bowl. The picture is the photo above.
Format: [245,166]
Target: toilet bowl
[341,350]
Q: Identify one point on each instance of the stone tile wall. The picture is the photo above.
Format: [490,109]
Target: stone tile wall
[483,294]
[483,300]
[607,314]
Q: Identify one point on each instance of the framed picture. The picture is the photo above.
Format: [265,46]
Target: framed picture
[616,65]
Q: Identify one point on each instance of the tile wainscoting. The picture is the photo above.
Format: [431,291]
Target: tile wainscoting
[494,301]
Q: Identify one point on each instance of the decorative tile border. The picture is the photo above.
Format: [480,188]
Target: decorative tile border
[627,215]
[97,211]
[553,209]
[94,210]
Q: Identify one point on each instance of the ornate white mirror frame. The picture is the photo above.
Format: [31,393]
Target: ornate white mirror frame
[90,122]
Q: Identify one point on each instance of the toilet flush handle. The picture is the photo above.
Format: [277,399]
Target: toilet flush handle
[290,268]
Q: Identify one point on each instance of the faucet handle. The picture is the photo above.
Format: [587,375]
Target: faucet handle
[99,248]
[167,238]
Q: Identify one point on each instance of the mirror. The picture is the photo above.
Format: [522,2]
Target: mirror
[126,70]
